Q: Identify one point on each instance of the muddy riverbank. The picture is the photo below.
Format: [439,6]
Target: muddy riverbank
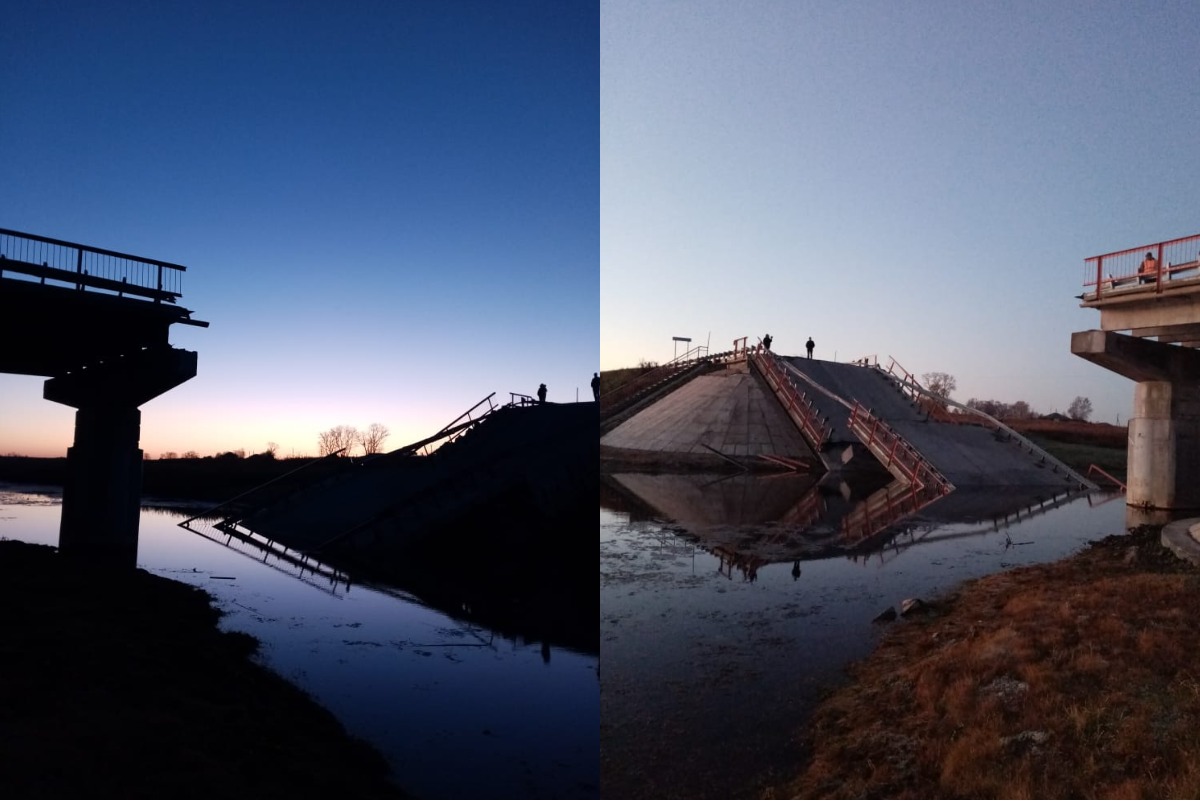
[122,686]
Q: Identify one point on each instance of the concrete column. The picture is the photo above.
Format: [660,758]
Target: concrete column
[102,493]
[1164,431]
[1164,445]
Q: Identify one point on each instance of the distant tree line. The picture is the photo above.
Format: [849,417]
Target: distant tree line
[942,384]
[347,438]
[1080,409]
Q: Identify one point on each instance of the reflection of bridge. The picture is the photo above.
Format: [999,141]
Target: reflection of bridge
[1149,303]
[95,323]
[753,520]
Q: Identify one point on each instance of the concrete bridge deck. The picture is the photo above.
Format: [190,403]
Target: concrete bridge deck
[735,411]
[967,454]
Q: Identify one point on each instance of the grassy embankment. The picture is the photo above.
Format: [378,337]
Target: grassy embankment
[1074,679]
[1071,680]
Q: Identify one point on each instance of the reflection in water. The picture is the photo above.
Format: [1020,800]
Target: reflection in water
[750,520]
[718,637]
[458,709]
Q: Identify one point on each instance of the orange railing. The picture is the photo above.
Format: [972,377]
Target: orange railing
[885,508]
[1095,468]
[796,403]
[1175,258]
[894,452]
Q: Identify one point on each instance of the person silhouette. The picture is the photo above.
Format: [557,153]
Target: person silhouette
[767,342]
[595,386]
[810,345]
[541,393]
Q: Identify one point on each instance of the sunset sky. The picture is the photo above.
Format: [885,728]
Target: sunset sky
[388,210]
[920,180]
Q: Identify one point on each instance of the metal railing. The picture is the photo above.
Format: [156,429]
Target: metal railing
[796,403]
[895,452]
[458,426]
[1095,468]
[1175,258]
[618,396]
[68,264]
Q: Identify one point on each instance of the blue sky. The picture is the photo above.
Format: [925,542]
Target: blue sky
[920,180]
[387,210]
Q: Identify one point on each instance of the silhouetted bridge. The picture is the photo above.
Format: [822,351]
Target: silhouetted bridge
[96,324]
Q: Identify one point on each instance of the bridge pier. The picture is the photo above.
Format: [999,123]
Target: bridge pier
[103,490]
[1164,431]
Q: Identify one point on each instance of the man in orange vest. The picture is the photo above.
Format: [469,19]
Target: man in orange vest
[1148,272]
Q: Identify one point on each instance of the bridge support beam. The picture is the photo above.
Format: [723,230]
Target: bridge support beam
[103,490]
[1164,431]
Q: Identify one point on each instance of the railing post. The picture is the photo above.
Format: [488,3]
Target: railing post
[79,266]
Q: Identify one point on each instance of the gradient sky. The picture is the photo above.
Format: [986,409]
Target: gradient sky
[920,180]
[388,210]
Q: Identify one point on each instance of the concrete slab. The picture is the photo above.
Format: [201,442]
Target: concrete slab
[967,455]
[729,410]
[1180,538]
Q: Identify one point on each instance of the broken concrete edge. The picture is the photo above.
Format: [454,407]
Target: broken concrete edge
[1181,541]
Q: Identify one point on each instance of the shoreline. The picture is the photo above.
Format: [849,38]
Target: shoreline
[1068,679]
[123,685]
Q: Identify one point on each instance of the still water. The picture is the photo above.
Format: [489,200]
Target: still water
[720,628]
[459,712]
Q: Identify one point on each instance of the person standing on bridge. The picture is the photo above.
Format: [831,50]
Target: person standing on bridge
[1148,272]
[810,345]
[767,342]
[541,393]
[595,386]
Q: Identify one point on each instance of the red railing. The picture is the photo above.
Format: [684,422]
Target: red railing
[885,508]
[897,455]
[1175,258]
[796,403]
[1095,468]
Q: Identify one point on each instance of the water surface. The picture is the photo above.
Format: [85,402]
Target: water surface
[459,711]
[718,638]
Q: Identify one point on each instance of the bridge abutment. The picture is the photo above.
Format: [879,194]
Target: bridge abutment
[1164,431]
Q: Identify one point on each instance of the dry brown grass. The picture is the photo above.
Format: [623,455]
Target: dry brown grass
[1074,431]
[1076,679]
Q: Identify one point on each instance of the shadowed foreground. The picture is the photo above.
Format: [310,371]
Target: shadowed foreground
[1071,680]
[123,687]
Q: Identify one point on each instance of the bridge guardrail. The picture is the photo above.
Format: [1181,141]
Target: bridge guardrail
[996,425]
[82,267]
[894,451]
[1174,258]
[618,397]
[802,411]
